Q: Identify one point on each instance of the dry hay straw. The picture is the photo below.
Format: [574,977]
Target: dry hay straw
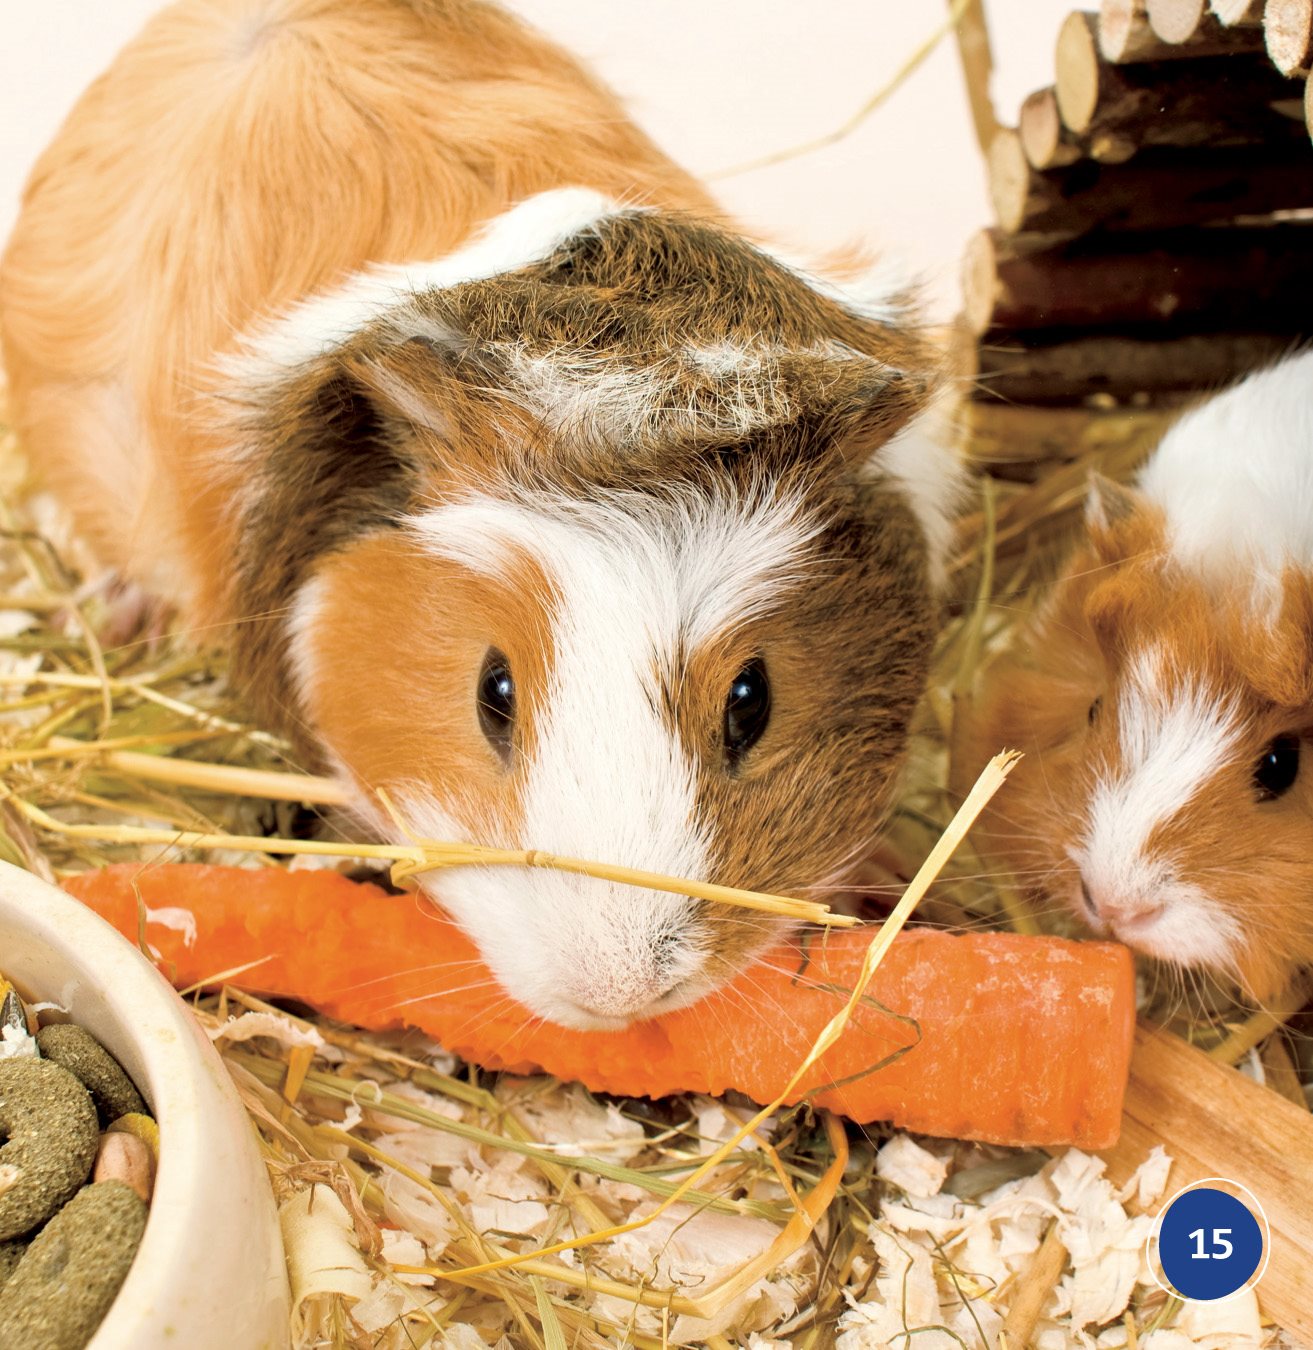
[545,1216]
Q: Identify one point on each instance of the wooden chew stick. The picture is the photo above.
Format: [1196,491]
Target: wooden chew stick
[1126,34]
[1212,101]
[1120,368]
[1033,1291]
[1175,21]
[1160,188]
[1238,13]
[1215,1122]
[1229,278]
[1047,144]
[1288,32]
[1021,444]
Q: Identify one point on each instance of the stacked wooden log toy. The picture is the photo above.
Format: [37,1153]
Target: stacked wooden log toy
[1154,209]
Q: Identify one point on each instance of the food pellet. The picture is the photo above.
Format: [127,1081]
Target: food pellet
[144,1127]
[72,1270]
[93,1066]
[51,1134]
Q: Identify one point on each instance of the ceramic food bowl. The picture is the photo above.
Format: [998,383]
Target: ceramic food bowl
[209,1274]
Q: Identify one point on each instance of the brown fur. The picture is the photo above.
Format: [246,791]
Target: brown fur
[333,456]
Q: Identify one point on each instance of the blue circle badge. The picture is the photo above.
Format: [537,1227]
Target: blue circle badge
[1209,1244]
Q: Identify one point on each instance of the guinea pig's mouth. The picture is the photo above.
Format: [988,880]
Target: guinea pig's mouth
[703,981]
[581,953]
[579,1018]
[690,990]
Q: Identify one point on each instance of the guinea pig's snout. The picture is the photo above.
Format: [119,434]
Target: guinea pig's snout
[602,1004]
[1122,914]
[646,978]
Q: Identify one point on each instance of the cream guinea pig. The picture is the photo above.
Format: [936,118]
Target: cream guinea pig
[374,337]
[1164,697]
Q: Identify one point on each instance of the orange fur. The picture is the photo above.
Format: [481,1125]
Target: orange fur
[422,728]
[238,155]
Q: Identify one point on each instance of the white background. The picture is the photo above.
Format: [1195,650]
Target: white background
[716,82]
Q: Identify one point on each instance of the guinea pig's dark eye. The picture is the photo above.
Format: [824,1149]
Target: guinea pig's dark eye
[1095,709]
[747,709]
[1277,768]
[496,701]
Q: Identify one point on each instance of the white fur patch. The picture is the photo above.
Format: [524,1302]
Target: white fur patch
[301,622]
[1172,741]
[1235,478]
[933,479]
[735,390]
[639,581]
[580,393]
[881,293]
[528,233]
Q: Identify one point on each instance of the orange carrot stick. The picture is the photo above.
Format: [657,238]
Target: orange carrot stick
[991,1036]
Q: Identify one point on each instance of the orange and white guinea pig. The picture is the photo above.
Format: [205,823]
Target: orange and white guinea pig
[1164,695]
[374,337]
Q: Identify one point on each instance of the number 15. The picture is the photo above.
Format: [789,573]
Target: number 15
[1222,1248]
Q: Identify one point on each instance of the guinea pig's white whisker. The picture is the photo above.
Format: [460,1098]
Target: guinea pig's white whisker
[391,975]
[763,994]
[718,1011]
[534,1021]
[193,631]
[439,993]
[486,1014]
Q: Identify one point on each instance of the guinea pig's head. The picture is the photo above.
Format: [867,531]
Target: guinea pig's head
[616,554]
[1166,796]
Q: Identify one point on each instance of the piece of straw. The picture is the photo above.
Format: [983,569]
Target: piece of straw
[886,91]
[428,855]
[1263,1023]
[231,780]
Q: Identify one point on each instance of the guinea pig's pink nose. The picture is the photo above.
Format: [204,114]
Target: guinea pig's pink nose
[1119,911]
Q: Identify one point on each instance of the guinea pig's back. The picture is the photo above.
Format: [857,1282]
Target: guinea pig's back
[1234,479]
[238,155]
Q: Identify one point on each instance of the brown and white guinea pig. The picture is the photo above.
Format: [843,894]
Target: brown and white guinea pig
[1164,697]
[373,336]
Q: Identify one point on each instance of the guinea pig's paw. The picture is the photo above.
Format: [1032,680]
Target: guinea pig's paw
[130,614]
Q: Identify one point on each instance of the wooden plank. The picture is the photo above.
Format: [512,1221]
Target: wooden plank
[1215,1122]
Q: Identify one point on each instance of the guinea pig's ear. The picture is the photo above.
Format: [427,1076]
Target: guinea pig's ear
[337,448]
[1107,503]
[870,402]
[332,445]
[1121,523]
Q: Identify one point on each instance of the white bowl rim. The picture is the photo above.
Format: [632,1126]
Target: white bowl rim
[219,1286]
